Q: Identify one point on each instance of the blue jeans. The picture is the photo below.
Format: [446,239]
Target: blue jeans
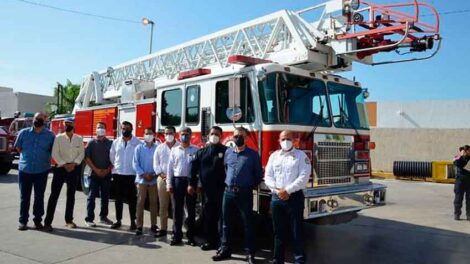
[26,182]
[243,201]
[98,187]
[288,218]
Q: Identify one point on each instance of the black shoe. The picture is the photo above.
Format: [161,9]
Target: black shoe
[250,259]
[222,255]
[208,246]
[22,227]
[191,242]
[138,232]
[274,261]
[48,228]
[176,242]
[154,230]
[116,225]
[38,226]
[161,233]
[457,217]
[133,226]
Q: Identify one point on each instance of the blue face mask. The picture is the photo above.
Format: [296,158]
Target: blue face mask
[185,138]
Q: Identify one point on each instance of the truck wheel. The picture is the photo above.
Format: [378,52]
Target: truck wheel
[85,179]
[5,167]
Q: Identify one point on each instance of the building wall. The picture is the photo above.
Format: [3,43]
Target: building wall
[444,114]
[415,144]
[11,102]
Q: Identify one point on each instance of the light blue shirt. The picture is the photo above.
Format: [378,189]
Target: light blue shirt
[143,163]
[36,150]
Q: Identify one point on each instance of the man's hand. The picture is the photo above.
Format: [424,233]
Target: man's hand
[169,190]
[163,176]
[283,194]
[69,167]
[191,190]
[148,176]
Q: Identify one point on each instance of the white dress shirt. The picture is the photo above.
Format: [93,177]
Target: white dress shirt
[161,157]
[179,164]
[289,170]
[68,150]
[122,155]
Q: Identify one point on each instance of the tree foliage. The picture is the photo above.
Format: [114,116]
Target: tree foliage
[64,96]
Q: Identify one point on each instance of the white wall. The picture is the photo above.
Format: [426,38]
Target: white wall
[446,114]
[11,102]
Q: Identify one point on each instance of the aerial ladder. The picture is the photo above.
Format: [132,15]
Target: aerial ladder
[325,38]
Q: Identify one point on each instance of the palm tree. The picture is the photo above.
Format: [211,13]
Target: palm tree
[65,98]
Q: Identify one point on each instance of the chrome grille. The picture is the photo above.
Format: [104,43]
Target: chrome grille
[3,144]
[333,163]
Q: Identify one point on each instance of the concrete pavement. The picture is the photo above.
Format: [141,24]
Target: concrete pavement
[415,226]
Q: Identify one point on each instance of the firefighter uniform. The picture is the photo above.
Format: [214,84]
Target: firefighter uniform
[208,164]
[462,187]
[288,170]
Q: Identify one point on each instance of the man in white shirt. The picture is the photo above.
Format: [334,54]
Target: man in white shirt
[121,156]
[160,166]
[286,175]
[179,173]
[68,153]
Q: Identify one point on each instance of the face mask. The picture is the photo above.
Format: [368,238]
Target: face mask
[68,128]
[126,133]
[100,132]
[185,138]
[148,138]
[286,145]
[239,141]
[169,138]
[39,122]
[213,139]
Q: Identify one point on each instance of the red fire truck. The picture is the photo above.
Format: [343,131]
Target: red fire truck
[273,73]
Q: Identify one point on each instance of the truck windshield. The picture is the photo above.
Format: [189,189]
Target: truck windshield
[347,106]
[291,99]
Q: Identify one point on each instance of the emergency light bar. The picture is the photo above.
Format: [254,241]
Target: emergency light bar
[193,73]
[245,60]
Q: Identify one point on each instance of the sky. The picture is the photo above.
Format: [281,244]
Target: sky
[40,47]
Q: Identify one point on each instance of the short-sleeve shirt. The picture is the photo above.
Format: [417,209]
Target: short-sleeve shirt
[98,152]
[36,148]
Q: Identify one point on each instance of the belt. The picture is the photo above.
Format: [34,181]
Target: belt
[237,189]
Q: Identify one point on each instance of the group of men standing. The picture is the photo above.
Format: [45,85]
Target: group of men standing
[225,177]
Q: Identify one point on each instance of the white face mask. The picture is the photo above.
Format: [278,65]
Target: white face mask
[286,145]
[213,139]
[169,138]
[148,138]
[100,132]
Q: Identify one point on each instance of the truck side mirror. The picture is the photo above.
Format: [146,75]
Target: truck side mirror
[233,111]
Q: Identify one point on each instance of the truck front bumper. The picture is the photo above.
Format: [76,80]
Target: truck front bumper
[333,200]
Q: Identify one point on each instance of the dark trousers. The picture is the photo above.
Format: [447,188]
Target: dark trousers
[26,182]
[125,190]
[60,177]
[98,186]
[288,219]
[212,211]
[179,198]
[243,201]
[461,189]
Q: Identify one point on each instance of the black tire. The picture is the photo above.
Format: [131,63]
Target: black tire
[84,185]
[5,167]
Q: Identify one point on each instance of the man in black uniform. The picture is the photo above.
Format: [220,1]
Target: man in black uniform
[208,164]
[462,183]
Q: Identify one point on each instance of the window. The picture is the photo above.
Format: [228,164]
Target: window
[347,106]
[171,108]
[192,104]
[291,99]
[222,102]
